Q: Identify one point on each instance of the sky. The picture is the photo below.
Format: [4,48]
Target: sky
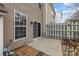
[67,9]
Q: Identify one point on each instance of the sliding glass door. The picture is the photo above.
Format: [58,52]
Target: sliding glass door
[36,29]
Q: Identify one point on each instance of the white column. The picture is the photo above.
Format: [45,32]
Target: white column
[1,36]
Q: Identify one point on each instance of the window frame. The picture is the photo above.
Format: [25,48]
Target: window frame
[20,26]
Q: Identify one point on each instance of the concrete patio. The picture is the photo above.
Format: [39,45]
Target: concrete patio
[51,47]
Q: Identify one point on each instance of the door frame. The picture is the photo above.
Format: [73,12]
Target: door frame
[1,35]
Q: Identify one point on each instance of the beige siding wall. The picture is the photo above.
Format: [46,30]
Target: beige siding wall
[47,16]
[50,14]
[44,19]
[34,14]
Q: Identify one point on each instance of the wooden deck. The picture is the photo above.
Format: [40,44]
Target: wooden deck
[28,51]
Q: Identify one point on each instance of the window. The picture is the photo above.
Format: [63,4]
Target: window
[20,22]
[39,5]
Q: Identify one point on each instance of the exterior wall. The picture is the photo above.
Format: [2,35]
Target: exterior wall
[58,18]
[44,19]
[48,16]
[34,14]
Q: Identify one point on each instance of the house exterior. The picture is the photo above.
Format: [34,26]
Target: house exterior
[48,17]
[23,23]
[50,14]
[58,17]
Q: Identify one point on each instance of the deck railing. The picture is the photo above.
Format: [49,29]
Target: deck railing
[69,35]
[62,30]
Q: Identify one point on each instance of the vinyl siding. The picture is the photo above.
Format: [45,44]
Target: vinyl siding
[34,14]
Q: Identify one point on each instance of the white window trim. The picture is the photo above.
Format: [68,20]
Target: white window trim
[26,26]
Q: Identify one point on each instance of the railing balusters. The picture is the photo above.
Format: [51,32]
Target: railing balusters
[68,32]
[60,31]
